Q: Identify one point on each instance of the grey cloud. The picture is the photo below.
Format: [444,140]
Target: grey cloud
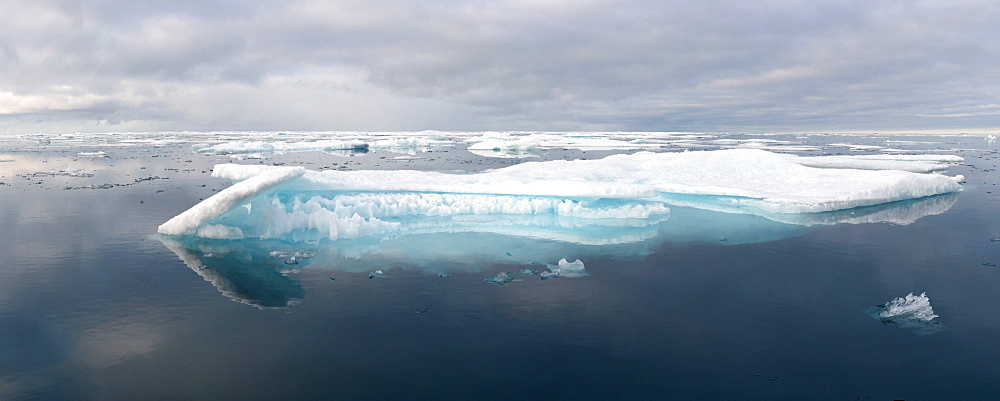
[686,65]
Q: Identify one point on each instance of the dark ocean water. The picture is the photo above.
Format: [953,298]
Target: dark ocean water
[95,305]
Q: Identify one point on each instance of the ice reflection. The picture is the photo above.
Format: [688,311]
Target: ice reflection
[902,212]
[254,271]
[243,272]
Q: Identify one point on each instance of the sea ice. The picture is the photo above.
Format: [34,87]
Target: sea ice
[501,278]
[616,192]
[911,312]
[377,273]
[566,269]
[503,143]
[69,172]
[278,147]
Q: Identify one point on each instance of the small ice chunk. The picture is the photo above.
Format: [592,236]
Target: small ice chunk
[911,312]
[567,269]
[377,273]
[549,274]
[528,272]
[444,275]
[501,278]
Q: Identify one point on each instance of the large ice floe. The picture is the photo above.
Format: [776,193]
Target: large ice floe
[577,201]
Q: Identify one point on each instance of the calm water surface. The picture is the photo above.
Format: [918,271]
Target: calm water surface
[94,305]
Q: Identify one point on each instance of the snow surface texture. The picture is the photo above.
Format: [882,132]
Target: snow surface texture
[911,312]
[293,203]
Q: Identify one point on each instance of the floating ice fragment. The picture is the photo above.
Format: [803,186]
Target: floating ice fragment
[528,272]
[911,312]
[444,275]
[549,274]
[567,269]
[377,273]
[501,278]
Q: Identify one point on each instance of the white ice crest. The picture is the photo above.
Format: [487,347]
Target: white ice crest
[915,307]
[910,312]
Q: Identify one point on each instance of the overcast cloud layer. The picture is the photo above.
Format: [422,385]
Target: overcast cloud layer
[700,65]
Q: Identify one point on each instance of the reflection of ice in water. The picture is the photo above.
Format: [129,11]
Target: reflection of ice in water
[239,273]
[434,248]
[911,312]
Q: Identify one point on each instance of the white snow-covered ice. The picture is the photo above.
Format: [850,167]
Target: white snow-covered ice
[567,269]
[911,312]
[627,190]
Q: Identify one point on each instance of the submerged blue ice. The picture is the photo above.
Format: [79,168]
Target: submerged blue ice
[501,278]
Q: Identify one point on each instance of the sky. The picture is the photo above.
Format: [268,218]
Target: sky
[525,65]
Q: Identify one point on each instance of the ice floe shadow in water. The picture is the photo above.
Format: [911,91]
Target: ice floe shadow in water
[249,275]
[912,312]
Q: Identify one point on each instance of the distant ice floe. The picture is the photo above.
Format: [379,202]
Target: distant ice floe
[344,145]
[909,312]
[240,147]
[509,144]
[69,172]
[912,163]
[581,196]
